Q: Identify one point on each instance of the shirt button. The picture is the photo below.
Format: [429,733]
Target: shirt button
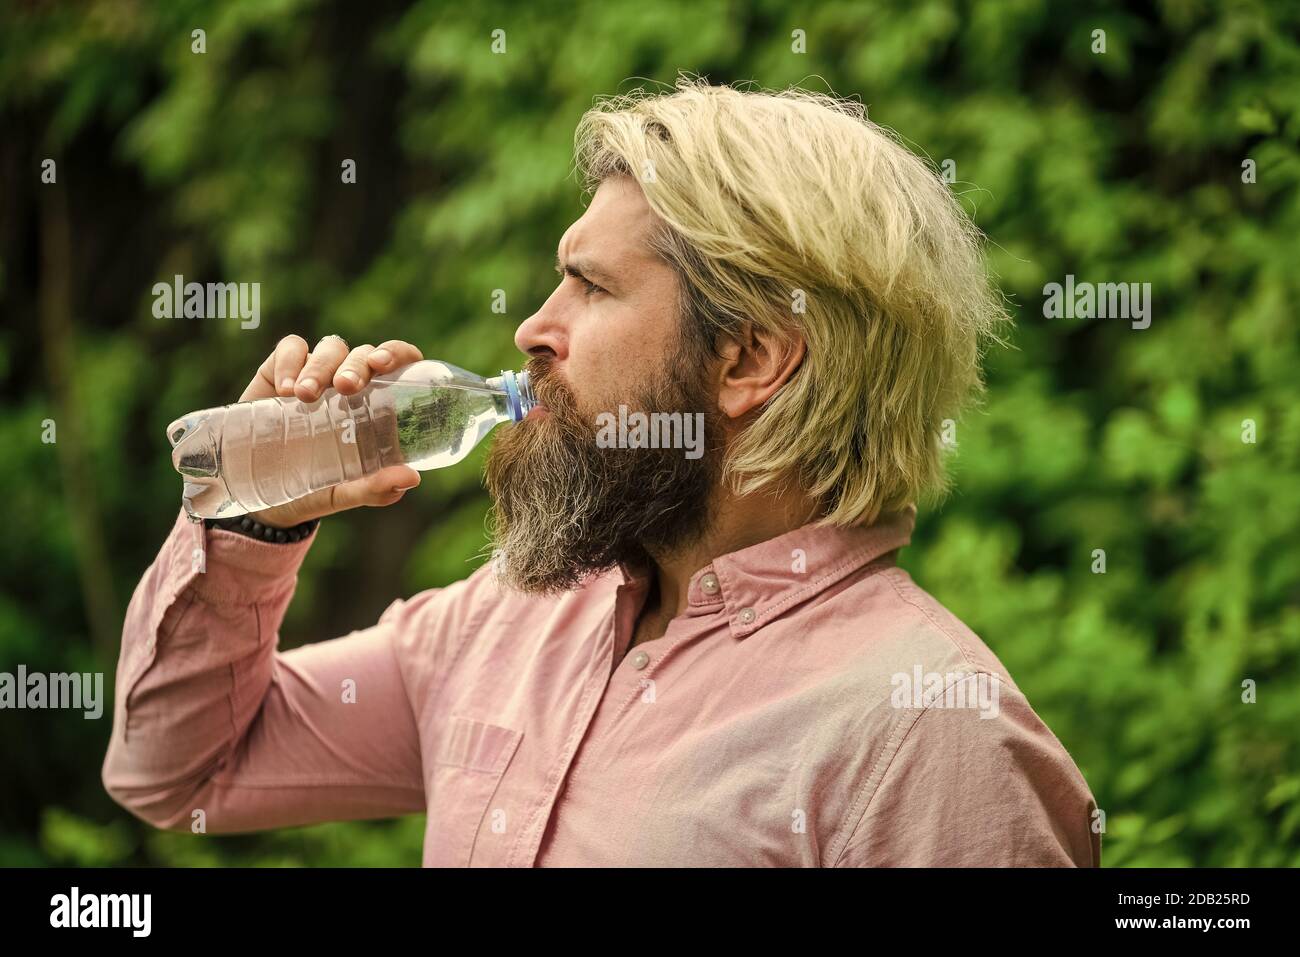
[746,615]
[640,660]
[709,584]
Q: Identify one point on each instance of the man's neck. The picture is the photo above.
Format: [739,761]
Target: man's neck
[737,523]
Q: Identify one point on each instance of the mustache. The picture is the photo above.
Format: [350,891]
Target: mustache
[551,391]
[547,388]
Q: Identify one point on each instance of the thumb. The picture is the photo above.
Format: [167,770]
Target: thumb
[382,488]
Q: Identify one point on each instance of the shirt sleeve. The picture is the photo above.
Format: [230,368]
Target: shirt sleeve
[209,716]
[962,790]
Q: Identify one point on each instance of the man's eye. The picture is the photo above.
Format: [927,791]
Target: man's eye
[589,288]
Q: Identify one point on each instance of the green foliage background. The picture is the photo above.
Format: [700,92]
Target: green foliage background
[1122,166]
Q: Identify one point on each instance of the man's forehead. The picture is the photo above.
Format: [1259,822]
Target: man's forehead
[615,229]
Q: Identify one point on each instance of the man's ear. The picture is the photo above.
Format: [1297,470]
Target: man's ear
[755,363]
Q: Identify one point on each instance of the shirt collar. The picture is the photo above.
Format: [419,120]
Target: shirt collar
[756,584]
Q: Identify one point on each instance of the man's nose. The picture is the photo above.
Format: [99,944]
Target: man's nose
[543,331]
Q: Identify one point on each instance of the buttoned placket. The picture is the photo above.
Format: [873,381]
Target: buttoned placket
[640,665]
[618,631]
[627,677]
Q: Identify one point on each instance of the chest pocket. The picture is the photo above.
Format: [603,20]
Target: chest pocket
[468,767]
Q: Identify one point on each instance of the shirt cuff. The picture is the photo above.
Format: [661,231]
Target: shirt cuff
[225,567]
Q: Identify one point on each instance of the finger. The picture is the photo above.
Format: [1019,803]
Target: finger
[270,379]
[353,375]
[289,356]
[262,385]
[319,370]
[393,354]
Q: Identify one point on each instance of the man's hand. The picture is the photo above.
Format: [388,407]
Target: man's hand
[291,371]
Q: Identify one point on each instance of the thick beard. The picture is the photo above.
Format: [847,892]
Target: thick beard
[565,508]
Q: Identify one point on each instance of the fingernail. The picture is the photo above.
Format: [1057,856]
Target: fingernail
[309,384]
[286,384]
[351,377]
[382,356]
[402,488]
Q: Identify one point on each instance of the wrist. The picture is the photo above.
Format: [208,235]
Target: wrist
[251,527]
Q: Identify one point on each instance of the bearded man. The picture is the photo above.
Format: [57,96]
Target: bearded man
[672,659]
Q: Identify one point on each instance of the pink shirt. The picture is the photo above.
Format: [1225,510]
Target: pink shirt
[811,707]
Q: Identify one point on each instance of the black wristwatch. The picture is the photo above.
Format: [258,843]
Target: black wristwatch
[246,525]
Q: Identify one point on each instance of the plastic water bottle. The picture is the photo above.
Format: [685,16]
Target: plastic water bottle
[254,455]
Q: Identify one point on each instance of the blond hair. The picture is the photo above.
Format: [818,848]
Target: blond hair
[772,200]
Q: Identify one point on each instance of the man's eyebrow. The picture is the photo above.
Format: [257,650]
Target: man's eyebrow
[583,267]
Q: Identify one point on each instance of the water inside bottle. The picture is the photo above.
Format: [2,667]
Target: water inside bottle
[440,427]
[254,455]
